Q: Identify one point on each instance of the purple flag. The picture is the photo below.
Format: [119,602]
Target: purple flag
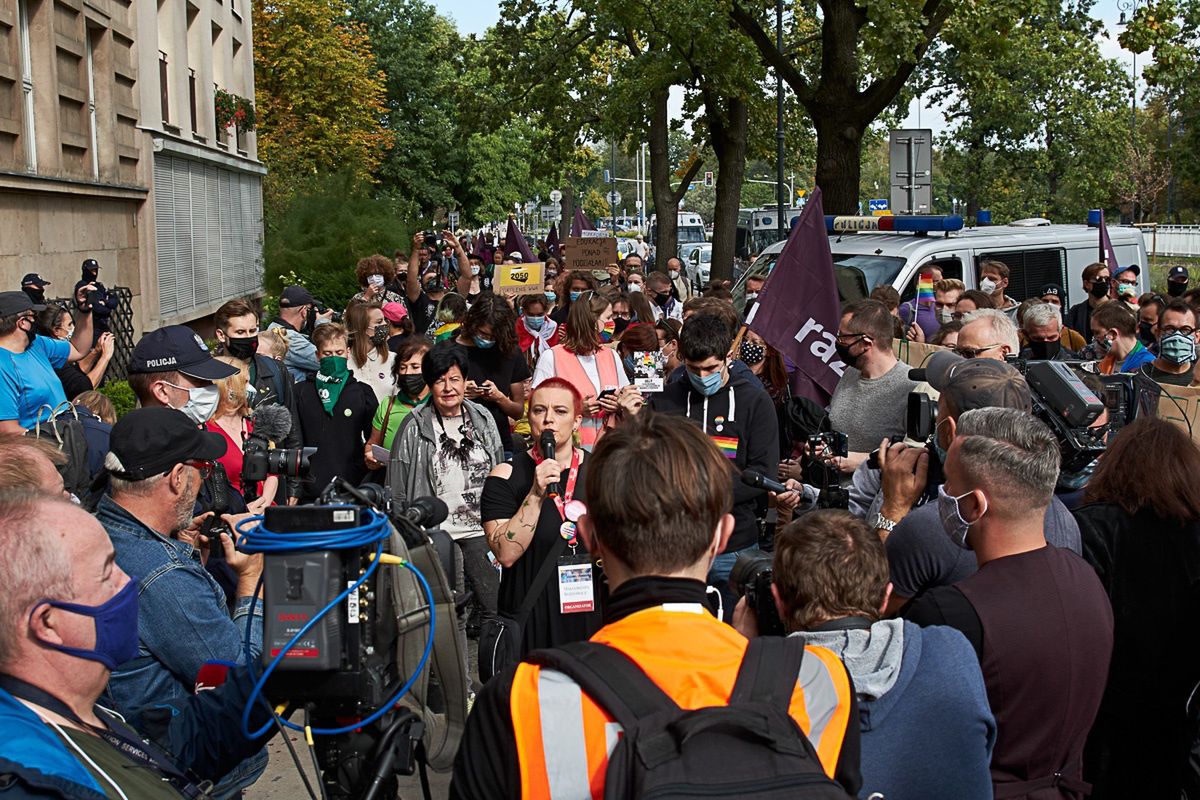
[798,311]
[581,223]
[514,242]
[1107,254]
[552,240]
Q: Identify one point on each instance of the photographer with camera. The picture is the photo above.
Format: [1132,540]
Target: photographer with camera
[868,403]
[927,731]
[157,460]
[1037,615]
[920,557]
[296,307]
[68,616]
[532,731]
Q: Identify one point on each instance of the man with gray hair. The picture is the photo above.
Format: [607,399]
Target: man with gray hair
[1043,328]
[988,333]
[1037,615]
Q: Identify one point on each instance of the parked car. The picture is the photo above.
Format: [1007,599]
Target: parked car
[699,265]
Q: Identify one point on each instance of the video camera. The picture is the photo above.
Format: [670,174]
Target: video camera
[356,605]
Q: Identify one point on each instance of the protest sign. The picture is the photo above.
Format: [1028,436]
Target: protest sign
[513,280]
[589,254]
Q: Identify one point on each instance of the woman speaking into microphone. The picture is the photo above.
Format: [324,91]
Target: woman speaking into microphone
[550,586]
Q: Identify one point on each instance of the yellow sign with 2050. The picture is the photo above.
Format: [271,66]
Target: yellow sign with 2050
[514,280]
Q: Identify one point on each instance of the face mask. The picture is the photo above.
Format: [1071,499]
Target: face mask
[751,296]
[662,297]
[551,273]
[708,385]
[620,326]
[946,315]
[484,344]
[635,287]
[1101,345]
[1145,333]
[843,352]
[116,621]
[333,374]
[673,274]
[551,296]
[606,332]
[242,348]
[629,366]
[575,295]
[1177,348]
[412,385]
[375,280]
[379,335]
[71,335]
[937,442]
[37,296]
[432,286]
[535,323]
[1100,288]
[987,286]
[201,403]
[31,334]
[474,269]
[1176,288]
[952,522]
[752,353]
[1045,351]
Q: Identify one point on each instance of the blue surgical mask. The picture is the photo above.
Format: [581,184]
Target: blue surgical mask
[484,344]
[952,520]
[1178,348]
[708,385]
[116,621]
[1074,481]
[551,296]
[628,362]
[535,323]
[937,444]
[575,296]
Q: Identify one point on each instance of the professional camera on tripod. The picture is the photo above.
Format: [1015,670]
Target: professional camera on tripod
[356,606]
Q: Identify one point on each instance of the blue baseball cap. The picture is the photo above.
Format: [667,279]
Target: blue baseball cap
[178,348]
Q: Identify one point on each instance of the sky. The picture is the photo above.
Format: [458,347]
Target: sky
[476,16]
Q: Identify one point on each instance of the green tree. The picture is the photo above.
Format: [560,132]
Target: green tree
[319,98]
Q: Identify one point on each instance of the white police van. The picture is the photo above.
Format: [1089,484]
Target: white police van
[877,251]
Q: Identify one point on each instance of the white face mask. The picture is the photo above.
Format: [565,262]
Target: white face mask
[987,286]
[201,404]
[946,315]
[674,274]
[635,287]
[474,269]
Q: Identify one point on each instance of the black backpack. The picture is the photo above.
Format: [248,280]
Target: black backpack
[751,748]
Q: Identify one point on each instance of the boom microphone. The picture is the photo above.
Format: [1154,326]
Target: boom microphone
[272,421]
[548,446]
[759,481]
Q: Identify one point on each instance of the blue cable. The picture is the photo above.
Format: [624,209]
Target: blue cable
[375,531]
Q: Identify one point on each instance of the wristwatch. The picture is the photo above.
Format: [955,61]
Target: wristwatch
[882,523]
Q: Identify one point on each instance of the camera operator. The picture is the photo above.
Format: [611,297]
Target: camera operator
[919,556]
[525,526]
[1037,615]
[526,736]
[1114,338]
[295,306]
[68,616]
[1044,329]
[236,329]
[869,401]
[1177,339]
[920,690]
[156,463]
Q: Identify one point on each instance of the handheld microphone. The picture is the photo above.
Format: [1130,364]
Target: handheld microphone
[759,481]
[548,446]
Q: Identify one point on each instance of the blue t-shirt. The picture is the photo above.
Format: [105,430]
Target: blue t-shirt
[28,382]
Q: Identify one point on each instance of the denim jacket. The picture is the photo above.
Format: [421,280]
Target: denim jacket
[183,621]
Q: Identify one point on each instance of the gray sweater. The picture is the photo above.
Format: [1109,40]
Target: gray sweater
[866,410]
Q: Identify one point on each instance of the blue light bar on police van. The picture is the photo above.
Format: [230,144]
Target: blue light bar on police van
[903,224]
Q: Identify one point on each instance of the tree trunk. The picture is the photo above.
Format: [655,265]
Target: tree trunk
[666,200]
[729,142]
[839,163]
[568,207]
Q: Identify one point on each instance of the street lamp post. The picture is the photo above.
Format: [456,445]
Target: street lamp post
[779,134]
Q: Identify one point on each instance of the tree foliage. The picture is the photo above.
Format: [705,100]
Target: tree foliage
[318,94]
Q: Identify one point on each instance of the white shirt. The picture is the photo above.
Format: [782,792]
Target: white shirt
[376,374]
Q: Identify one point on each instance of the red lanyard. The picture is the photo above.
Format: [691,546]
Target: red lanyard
[561,501]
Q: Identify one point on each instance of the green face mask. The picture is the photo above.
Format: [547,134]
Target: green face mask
[331,379]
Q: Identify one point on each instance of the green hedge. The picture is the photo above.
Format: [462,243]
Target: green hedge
[121,395]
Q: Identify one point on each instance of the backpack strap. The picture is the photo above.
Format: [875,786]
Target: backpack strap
[769,671]
[608,676]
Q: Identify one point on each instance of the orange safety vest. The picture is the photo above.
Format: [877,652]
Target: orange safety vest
[567,367]
[564,739]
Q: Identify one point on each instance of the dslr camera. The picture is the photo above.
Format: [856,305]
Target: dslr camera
[751,578]
[820,473]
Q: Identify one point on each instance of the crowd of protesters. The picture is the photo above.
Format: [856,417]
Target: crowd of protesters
[982,617]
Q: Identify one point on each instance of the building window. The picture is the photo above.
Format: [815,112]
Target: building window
[192,99]
[163,84]
[91,106]
[29,132]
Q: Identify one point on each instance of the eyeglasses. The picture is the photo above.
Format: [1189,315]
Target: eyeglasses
[958,315]
[1185,330]
[620,315]
[205,468]
[849,336]
[972,352]
[1127,283]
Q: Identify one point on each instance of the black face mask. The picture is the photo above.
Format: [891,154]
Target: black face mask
[843,352]
[242,348]
[379,335]
[619,325]
[662,297]
[1146,333]
[31,334]
[1176,288]
[1045,351]
[412,385]
[36,295]
[1100,288]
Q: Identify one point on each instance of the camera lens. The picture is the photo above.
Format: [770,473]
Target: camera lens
[747,566]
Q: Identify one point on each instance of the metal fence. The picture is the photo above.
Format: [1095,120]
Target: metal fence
[120,323]
[1172,240]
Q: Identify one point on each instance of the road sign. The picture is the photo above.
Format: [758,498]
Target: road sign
[878,208]
[614,198]
[708,179]
[555,196]
[453,220]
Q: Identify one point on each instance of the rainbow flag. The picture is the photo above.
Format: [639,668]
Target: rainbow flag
[445,331]
[925,289]
[727,444]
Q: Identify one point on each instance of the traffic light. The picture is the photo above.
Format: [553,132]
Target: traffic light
[708,179]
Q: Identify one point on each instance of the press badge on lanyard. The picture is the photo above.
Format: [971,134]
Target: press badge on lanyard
[576,588]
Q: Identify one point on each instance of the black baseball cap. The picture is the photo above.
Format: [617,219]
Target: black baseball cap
[295,296]
[971,383]
[33,279]
[177,348]
[150,441]
[1178,273]
[91,264]
[1051,288]
[15,303]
